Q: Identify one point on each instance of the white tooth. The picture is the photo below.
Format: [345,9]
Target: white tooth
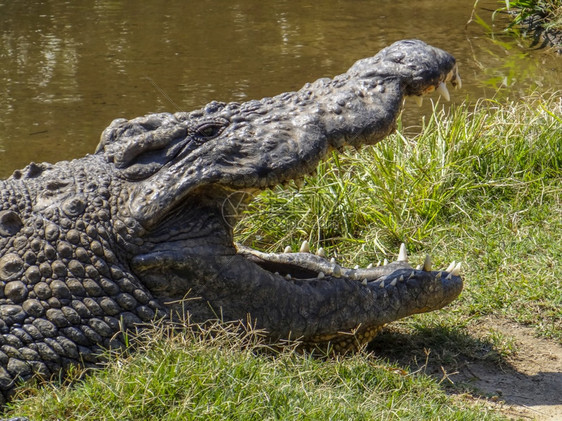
[277,273]
[385,262]
[457,270]
[305,248]
[401,279]
[378,263]
[411,275]
[439,274]
[287,249]
[419,267]
[336,271]
[288,276]
[393,283]
[449,276]
[364,282]
[369,266]
[381,284]
[427,263]
[402,254]
[442,90]
[333,260]
[451,266]
[320,252]
[419,100]
[320,275]
[356,267]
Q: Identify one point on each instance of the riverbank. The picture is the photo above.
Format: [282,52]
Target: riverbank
[480,185]
[540,20]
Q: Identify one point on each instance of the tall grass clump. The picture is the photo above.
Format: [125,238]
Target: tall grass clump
[406,189]
[479,184]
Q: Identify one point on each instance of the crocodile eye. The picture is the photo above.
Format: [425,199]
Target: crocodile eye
[209,130]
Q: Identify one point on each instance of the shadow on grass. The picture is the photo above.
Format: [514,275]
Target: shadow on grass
[464,363]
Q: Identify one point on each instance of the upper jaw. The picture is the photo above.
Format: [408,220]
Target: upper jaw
[440,87]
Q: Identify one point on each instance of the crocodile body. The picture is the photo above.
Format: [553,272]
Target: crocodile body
[141,229]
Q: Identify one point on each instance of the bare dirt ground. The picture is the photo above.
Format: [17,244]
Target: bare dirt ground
[523,383]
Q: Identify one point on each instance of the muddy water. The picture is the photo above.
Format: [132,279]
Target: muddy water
[68,68]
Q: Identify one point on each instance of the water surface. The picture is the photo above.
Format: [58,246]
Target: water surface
[68,68]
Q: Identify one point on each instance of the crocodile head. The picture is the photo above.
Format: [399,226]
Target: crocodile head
[186,173]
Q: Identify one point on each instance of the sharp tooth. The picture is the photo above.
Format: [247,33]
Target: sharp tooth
[427,263]
[402,254]
[419,267]
[333,260]
[438,276]
[401,279]
[336,271]
[378,263]
[442,90]
[457,270]
[369,266]
[288,276]
[287,249]
[451,266]
[381,284]
[385,262]
[393,283]
[320,252]
[305,248]
[356,267]
[320,275]
[419,100]
[364,282]
[411,275]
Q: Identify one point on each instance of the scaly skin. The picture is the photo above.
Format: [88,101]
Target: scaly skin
[95,246]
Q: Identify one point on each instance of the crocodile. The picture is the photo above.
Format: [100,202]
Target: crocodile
[142,229]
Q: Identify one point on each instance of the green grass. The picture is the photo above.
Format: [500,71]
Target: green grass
[481,185]
[548,13]
[219,374]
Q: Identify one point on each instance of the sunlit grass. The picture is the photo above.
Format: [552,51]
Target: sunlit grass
[219,373]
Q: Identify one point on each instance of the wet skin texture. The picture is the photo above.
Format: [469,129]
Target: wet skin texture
[115,240]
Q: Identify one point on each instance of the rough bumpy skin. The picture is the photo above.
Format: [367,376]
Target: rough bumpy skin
[96,246]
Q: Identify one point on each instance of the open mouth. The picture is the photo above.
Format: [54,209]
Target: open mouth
[303,294]
[306,266]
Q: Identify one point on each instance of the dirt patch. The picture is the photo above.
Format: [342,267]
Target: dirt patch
[522,380]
